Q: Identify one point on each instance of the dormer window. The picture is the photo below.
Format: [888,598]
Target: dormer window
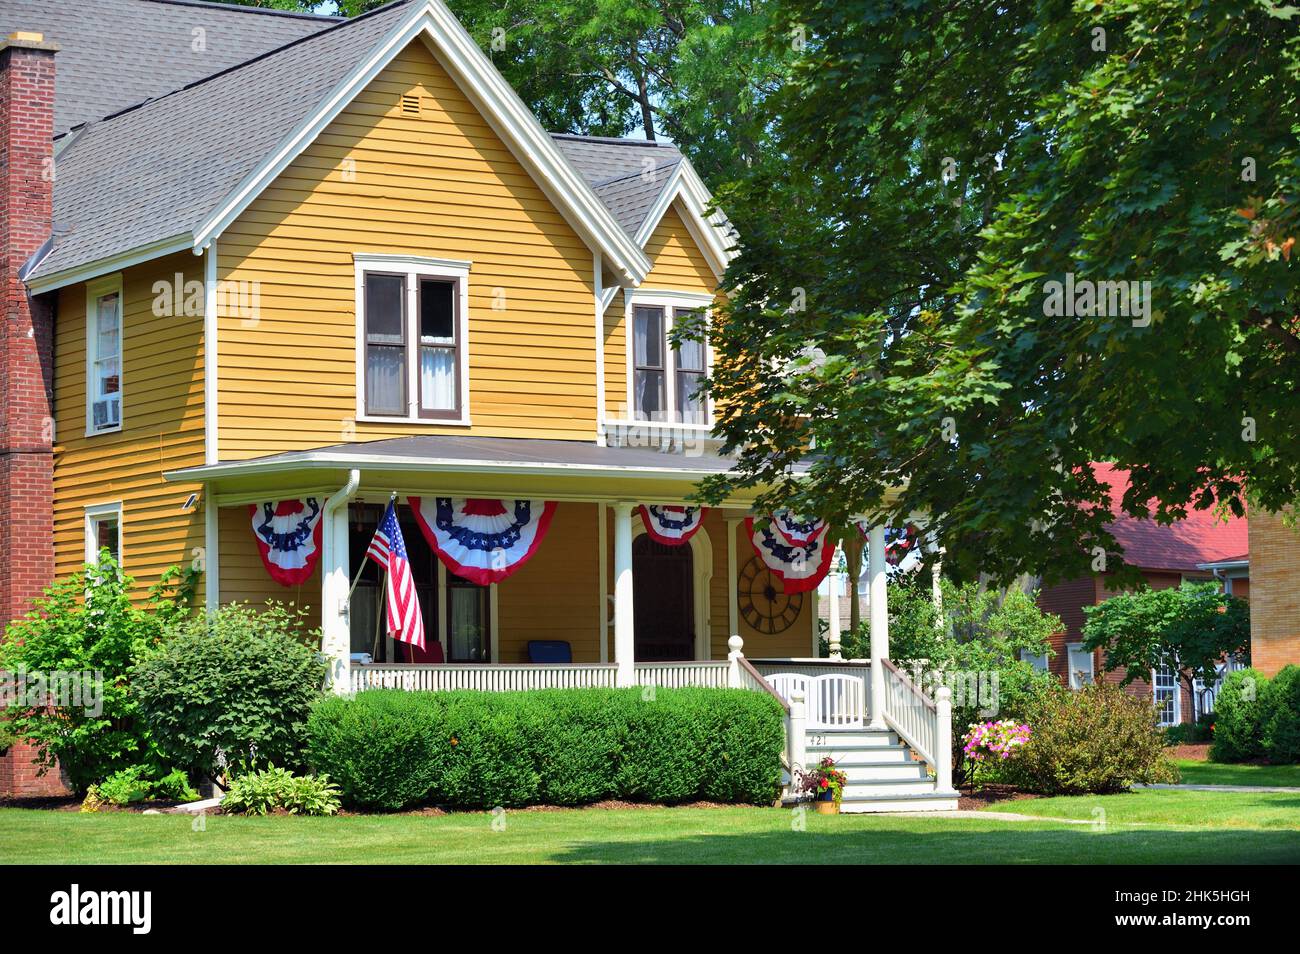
[411,318]
[665,381]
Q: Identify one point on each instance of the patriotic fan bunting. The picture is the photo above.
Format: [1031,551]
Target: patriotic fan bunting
[482,540]
[672,525]
[288,534]
[795,529]
[899,543]
[800,568]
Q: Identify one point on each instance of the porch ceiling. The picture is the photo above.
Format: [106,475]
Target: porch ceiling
[472,466]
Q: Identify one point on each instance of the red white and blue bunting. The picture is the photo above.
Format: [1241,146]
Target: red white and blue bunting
[797,531]
[288,534]
[800,568]
[482,540]
[672,525]
[900,543]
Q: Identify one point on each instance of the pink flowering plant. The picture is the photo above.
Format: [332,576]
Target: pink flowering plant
[994,742]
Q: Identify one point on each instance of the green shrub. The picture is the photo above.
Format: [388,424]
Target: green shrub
[1238,716]
[1095,740]
[135,784]
[240,681]
[1192,733]
[390,750]
[260,792]
[86,626]
[1281,716]
[7,737]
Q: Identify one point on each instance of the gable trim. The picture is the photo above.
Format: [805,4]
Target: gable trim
[501,108]
[707,230]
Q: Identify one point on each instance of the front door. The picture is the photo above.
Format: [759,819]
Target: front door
[662,601]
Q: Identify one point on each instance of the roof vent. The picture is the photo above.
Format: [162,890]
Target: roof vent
[410,104]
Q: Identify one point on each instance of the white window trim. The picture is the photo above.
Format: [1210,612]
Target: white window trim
[414,268]
[1178,699]
[1070,650]
[94,291]
[1027,656]
[666,299]
[93,513]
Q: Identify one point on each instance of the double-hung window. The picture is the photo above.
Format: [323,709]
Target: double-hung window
[1164,682]
[104,355]
[1080,662]
[665,380]
[412,361]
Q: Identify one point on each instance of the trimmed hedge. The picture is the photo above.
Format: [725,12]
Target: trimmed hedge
[1281,720]
[389,749]
[1238,713]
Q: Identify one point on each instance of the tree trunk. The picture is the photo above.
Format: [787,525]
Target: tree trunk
[643,97]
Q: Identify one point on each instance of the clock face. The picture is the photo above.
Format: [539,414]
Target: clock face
[764,604]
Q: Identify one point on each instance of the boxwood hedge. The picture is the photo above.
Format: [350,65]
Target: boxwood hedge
[389,749]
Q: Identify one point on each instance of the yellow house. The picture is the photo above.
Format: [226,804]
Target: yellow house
[398,284]
[343,266]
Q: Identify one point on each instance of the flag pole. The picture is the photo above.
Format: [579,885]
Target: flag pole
[357,579]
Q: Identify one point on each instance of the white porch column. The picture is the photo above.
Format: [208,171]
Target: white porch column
[833,615]
[336,630]
[624,644]
[879,618]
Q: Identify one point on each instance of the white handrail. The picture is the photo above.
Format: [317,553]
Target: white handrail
[924,724]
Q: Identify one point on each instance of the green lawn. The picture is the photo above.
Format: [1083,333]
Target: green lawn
[1145,827]
[1215,773]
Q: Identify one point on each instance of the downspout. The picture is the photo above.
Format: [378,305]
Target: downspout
[336,635]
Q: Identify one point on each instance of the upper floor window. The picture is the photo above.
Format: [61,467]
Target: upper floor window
[104,355]
[665,380]
[412,361]
[1080,662]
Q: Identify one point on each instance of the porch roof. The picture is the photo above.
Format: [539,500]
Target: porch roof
[416,460]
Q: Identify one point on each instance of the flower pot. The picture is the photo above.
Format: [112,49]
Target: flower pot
[827,806]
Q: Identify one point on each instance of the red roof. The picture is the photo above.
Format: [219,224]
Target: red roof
[1201,538]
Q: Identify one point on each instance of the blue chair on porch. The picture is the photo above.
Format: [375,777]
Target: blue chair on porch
[549,651]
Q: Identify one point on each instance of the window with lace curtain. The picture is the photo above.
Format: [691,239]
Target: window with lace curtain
[411,325]
[666,378]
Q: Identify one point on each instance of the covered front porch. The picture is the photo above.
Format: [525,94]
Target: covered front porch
[601,600]
[608,576]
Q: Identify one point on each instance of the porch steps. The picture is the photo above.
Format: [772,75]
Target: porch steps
[882,774]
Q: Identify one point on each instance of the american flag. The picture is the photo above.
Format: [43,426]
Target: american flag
[387,549]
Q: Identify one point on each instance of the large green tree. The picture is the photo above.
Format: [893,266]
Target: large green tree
[943,163]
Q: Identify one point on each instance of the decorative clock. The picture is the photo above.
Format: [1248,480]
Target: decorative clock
[764,604]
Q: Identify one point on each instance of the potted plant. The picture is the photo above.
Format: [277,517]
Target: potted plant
[825,784]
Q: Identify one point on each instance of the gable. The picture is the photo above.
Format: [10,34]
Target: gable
[678,263]
[437,182]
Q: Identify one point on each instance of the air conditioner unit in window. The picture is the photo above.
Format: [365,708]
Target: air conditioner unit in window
[104,413]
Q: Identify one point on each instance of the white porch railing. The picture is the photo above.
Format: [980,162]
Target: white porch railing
[486,678]
[924,724]
[710,674]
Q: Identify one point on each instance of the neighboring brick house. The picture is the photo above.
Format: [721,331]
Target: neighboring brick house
[1201,547]
[1275,595]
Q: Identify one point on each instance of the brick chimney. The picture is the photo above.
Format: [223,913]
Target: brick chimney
[26,334]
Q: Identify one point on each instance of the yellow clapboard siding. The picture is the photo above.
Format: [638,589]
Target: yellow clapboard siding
[162,417]
[440,186]
[678,262]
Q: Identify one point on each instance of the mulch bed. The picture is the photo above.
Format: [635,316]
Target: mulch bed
[1200,752]
[986,795]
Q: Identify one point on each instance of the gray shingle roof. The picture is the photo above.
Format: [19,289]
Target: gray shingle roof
[627,175]
[117,53]
[157,171]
